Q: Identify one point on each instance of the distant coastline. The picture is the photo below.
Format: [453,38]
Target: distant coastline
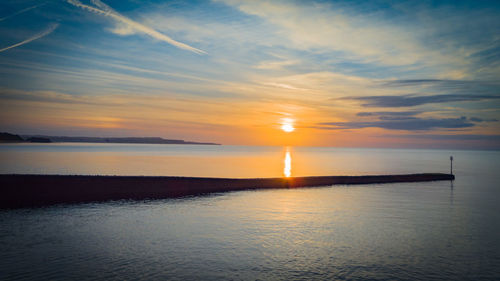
[12,138]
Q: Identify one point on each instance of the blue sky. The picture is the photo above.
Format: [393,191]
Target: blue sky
[346,73]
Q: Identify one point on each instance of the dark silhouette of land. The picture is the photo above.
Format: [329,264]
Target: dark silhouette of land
[146,140]
[7,137]
[39,139]
[19,191]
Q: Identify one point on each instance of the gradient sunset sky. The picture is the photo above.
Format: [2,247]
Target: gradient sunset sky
[344,73]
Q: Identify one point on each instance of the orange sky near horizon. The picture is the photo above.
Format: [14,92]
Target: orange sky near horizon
[230,71]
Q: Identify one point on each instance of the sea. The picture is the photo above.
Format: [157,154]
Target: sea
[444,230]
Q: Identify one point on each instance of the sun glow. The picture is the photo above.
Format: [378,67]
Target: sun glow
[287,125]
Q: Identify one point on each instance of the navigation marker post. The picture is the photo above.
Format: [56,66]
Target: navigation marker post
[451,165]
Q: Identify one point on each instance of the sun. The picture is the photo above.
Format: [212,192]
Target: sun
[287,128]
[287,125]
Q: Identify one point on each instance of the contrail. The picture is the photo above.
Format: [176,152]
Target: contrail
[22,11]
[105,10]
[102,5]
[51,28]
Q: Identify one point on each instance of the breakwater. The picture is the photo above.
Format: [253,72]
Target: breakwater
[40,190]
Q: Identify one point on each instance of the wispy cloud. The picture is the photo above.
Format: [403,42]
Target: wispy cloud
[276,65]
[412,82]
[46,32]
[482,137]
[21,11]
[395,114]
[435,39]
[468,141]
[477,86]
[477,119]
[415,100]
[403,123]
[323,27]
[130,26]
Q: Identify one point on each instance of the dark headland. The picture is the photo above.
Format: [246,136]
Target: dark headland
[12,138]
[131,140]
[19,191]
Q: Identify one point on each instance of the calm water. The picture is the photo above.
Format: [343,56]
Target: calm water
[426,231]
[226,161]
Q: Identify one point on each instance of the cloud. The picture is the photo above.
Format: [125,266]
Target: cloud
[389,113]
[412,82]
[46,32]
[320,85]
[127,26]
[434,38]
[476,119]
[322,27]
[405,123]
[441,86]
[477,86]
[276,65]
[44,96]
[21,11]
[450,141]
[416,100]
[466,137]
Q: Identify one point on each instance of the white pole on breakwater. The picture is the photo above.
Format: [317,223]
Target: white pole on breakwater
[451,165]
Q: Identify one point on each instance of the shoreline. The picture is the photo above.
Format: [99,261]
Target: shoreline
[19,191]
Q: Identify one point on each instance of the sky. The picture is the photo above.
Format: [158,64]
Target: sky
[416,74]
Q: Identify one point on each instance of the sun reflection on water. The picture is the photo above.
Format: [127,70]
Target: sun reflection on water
[287,170]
